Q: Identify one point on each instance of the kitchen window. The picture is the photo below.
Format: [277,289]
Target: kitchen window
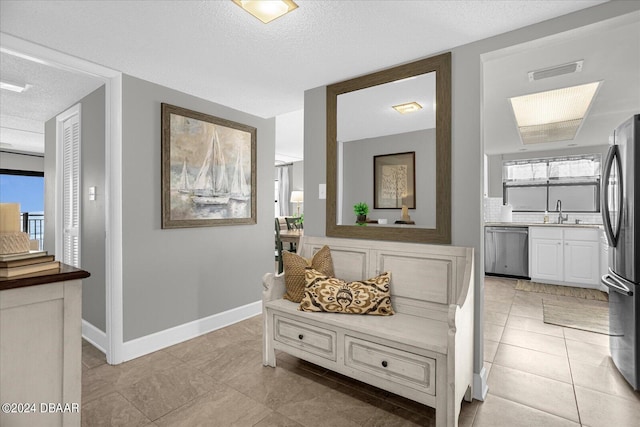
[535,185]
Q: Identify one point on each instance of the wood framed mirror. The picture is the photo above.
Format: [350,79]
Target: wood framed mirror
[362,122]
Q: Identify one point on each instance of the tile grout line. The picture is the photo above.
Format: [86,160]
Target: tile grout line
[573,385]
[526,405]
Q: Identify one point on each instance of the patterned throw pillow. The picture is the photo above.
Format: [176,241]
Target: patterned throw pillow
[328,294]
[295,266]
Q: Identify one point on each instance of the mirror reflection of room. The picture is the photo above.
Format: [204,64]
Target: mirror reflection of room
[386,146]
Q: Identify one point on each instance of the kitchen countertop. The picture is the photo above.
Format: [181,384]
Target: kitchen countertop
[540,224]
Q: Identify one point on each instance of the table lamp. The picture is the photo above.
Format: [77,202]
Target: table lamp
[297,197]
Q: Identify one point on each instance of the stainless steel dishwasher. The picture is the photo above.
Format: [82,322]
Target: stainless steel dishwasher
[506,251]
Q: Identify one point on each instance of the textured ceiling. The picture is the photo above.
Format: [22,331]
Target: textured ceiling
[215,50]
[50,91]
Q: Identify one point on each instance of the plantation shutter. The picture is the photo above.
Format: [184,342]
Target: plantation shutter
[71,190]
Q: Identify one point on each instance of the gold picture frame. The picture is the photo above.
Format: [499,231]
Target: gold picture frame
[208,170]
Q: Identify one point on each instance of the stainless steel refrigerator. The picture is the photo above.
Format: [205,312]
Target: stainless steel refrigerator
[621,189]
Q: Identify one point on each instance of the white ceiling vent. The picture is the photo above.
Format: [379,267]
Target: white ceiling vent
[558,70]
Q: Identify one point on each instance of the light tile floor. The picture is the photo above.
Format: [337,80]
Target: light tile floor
[547,375]
[539,375]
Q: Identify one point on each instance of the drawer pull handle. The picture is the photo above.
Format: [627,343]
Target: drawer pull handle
[300,336]
[384,363]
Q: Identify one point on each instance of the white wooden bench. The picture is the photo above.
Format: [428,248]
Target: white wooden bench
[424,352]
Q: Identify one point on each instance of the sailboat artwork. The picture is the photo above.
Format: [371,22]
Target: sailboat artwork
[240,190]
[208,170]
[185,181]
[212,186]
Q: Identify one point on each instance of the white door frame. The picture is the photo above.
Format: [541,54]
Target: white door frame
[113,172]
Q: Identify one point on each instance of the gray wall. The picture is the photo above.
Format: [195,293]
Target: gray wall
[495,162]
[175,276]
[315,172]
[21,162]
[358,177]
[92,244]
[467,150]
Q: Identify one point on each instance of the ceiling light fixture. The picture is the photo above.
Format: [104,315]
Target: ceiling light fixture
[267,10]
[554,115]
[409,107]
[13,87]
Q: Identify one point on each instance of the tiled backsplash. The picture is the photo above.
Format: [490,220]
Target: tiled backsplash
[492,214]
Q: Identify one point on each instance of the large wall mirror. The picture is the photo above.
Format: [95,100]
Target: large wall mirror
[397,162]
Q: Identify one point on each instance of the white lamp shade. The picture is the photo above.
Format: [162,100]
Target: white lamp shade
[297,196]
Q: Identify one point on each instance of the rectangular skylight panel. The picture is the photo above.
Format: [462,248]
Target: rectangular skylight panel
[554,115]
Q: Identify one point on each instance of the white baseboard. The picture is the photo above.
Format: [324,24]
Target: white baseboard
[480,387]
[94,335]
[159,340]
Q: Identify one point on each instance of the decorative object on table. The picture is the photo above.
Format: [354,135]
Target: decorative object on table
[405,213]
[297,197]
[394,181]
[12,265]
[294,271]
[361,210]
[12,240]
[48,266]
[405,219]
[208,170]
[331,295]
[21,256]
[28,258]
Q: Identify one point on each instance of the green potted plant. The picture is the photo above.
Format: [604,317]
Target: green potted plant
[361,210]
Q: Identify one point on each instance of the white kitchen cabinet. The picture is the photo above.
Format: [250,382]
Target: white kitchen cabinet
[565,255]
[582,262]
[546,259]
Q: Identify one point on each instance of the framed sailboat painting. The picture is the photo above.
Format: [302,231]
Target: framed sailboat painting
[208,170]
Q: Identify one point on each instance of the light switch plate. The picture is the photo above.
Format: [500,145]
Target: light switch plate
[322,191]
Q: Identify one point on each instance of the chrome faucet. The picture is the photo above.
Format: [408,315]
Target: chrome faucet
[561,218]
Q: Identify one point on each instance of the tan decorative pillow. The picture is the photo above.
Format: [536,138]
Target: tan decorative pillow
[295,266]
[328,294]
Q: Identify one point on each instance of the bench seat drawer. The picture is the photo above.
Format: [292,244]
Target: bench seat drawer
[310,338]
[404,368]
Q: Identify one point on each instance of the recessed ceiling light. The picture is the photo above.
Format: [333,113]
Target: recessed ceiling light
[572,145]
[409,107]
[13,87]
[267,10]
[553,115]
